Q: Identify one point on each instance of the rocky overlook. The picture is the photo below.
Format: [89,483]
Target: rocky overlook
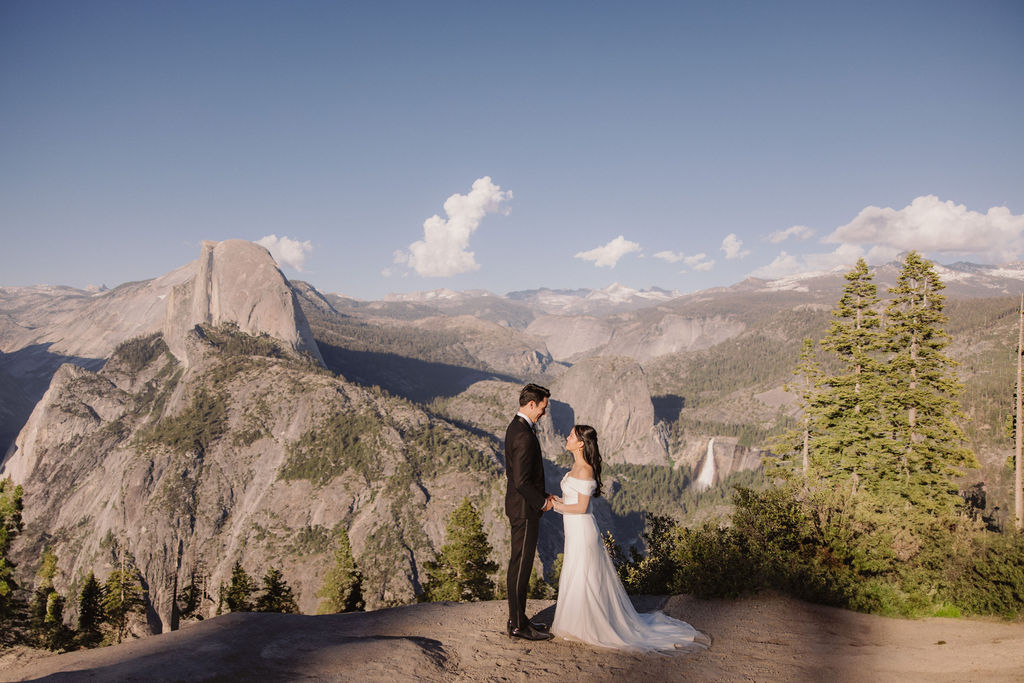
[222,413]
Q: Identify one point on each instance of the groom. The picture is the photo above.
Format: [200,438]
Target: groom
[525,501]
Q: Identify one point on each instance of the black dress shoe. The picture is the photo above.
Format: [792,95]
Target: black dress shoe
[529,633]
[537,626]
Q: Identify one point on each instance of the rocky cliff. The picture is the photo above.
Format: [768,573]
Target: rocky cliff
[237,281]
[641,335]
[248,453]
[43,327]
[713,458]
[611,395]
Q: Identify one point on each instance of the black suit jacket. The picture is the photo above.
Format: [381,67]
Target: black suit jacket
[524,466]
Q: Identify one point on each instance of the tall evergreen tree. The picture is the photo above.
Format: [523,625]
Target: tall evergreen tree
[123,595]
[928,444]
[848,425]
[277,595]
[190,598]
[1018,445]
[792,447]
[10,526]
[462,569]
[343,585]
[238,595]
[46,615]
[90,611]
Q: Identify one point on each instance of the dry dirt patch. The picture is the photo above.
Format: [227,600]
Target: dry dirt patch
[765,638]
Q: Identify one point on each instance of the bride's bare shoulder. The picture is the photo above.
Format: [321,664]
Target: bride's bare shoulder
[582,471]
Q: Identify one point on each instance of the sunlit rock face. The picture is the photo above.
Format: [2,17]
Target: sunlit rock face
[611,395]
[237,281]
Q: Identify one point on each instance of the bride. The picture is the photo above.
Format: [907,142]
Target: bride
[592,604]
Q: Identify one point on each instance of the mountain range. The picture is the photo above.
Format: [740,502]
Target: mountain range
[221,412]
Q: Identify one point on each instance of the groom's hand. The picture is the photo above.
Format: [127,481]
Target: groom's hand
[548,504]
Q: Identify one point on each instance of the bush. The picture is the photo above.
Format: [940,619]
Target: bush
[989,579]
[710,561]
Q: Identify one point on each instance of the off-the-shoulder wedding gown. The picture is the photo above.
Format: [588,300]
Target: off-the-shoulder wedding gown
[592,604]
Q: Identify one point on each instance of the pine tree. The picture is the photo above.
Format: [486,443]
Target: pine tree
[46,615]
[848,427]
[556,572]
[44,587]
[792,447]
[277,595]
[190,598]
[343,585]
[123,595]
[238,595]
[462,568]
[90,611]
[10,526]
[1018,446]
[538,588]
[921,394]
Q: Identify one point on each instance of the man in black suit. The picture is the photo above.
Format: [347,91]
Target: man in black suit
[525,501]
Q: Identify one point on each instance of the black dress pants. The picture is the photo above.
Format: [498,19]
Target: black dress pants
[524,549]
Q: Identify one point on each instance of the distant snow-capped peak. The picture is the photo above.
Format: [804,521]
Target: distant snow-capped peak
[436,295]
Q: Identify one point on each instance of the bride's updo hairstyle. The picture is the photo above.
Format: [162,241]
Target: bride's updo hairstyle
[591,453]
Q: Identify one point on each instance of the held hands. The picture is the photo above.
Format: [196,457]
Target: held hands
[552,503]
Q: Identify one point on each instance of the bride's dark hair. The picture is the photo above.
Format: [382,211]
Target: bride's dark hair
[591,453]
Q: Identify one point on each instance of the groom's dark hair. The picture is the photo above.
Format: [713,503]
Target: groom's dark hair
[533,392]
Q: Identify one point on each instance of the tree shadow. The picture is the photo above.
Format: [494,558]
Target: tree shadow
[410,378]
[254,646]
[25,375]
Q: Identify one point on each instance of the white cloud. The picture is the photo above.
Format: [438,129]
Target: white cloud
[443,250]
[844,256]
[670,256]
[929,225]
[798,231]
[287,252]
[609,254]
[698,262]
[732,246]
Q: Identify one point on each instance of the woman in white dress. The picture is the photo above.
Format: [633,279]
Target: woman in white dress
[592,604]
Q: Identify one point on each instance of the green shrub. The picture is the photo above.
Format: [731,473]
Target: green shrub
[710,561]
[989,578]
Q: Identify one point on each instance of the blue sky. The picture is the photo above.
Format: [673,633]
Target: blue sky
[581,144]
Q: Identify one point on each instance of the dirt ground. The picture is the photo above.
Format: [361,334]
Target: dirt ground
[764,638]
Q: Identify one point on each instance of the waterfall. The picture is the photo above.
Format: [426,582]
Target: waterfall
[706,478]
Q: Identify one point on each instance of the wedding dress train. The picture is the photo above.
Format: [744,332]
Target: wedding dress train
[592,604]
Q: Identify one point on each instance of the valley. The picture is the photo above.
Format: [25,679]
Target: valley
[223,413]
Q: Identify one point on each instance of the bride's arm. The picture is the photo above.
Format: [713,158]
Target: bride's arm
[577,508]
